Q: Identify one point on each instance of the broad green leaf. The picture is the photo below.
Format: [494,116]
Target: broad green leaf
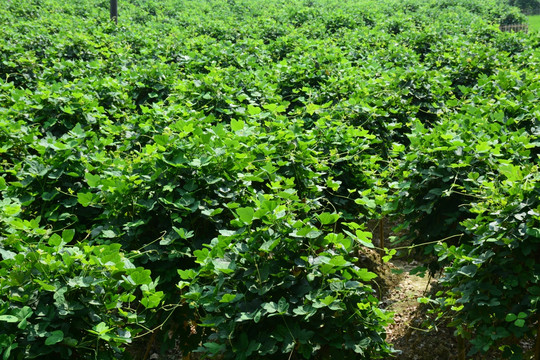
[338,261]
[254,110]
[109,234]
[237,125]
[468,270]
[187,274]
[328,300]
[512,172]
[55,240]
[214,348]
[92,180]
[269,245]
[152,301]
[327,218]
[9,318]
[141,276]
[101,328]
[270,307]
[511,317]
[282,305]
[245,214]
[67,235]
[85,199]
[55,337]
[223,265]
[365,275]
[226,298]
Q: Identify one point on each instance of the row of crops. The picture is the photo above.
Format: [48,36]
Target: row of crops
[201,175]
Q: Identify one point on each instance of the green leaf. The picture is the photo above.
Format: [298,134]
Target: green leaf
[328,300]
[270,307]
[338,261]
[468,270]
[67,235]
[55,337]
[85,199]
[282,305]
[55,240]
[92,180]
[512,172]
[245,214]
[214,348]
[254,110]
[327,218]
[533,232]
[227,298]
[269,245]
[237,125]
[223,265]
[9,318]
[153,300]
[162,140]
[141,276]
[365,275]
[187,274]
[109,234]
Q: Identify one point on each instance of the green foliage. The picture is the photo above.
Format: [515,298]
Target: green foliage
[58,299]
[236,149]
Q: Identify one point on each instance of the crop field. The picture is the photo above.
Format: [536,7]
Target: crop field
[200,177]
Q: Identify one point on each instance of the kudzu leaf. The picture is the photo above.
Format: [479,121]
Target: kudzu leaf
[365,275]
[214,348]
[85,199]
[223,265]
[187,274]
[226,298]
[92,180]
[9,318]
[152,301]
[141,276]
[257,316]
[270,307]
[245,214]
[327,218]
[237,125]
[468,270]
[328,300]
[67,235]
[533,232]
[55,240]
[55,337]
[282,305]
[254,110]
[109,234]
[338,261]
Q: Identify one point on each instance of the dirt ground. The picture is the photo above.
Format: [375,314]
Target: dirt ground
[409,333]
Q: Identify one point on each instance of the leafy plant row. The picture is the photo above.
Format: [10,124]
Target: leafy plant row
[205,170]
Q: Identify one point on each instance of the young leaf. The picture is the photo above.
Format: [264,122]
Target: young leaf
[55,337]
[245,214]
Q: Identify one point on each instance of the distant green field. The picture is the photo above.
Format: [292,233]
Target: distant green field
[534,23]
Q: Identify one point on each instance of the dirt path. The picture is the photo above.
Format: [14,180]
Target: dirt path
[408,333]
